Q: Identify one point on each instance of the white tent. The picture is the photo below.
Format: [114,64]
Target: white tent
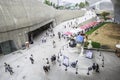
[75,31]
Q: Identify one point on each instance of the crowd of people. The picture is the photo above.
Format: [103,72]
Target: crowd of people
[60,58]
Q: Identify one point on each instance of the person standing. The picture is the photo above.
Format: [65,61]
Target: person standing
[59,35]
[31,55]
[27,44]
[97,68]
[47,64]
[6,66]
[54,44]
[94,67]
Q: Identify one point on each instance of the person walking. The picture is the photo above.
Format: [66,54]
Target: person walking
[31,55]
[31,59]
[10,69]
[6,66]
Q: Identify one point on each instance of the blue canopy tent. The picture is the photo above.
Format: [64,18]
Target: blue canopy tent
[79,39]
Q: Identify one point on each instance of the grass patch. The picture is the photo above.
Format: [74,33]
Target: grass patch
[95,28]
[94,44]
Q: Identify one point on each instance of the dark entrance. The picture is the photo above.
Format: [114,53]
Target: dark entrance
[7,47]
[37,32]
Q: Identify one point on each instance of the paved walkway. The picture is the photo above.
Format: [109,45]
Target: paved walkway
[24,70]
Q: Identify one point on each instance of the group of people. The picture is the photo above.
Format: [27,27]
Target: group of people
[49,33]
[46,66]
[8,68]
[95,67]
[72,24]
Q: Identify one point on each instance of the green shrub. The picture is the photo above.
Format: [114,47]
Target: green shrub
[96,45]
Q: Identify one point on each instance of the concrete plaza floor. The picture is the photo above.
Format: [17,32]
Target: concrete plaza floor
[24,70]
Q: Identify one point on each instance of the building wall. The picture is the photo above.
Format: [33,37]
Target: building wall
[63,15]
[116,4]
[21,13]
[117,13]
[19,17]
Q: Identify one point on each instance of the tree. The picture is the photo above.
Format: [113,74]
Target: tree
[86,3]
[54,5]
[47,2]
[51,3]
[81,5]
[76,5]
[104,15]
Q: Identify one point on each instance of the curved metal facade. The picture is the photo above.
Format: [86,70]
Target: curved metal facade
[18,18]
[16,14]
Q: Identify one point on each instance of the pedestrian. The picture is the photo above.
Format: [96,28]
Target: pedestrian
[53,34]
[65,26]
[10,69]
[97,68]
[45,39]
[89,69]
[47,61]
[32,60]
[60,58]
[32,55]
[47,33]
[59,35]
[45,68]
[27,44]
[62,35]
[93,66]
[53,59]
[54,44]
[6,66]
[42,39]
[47,64]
